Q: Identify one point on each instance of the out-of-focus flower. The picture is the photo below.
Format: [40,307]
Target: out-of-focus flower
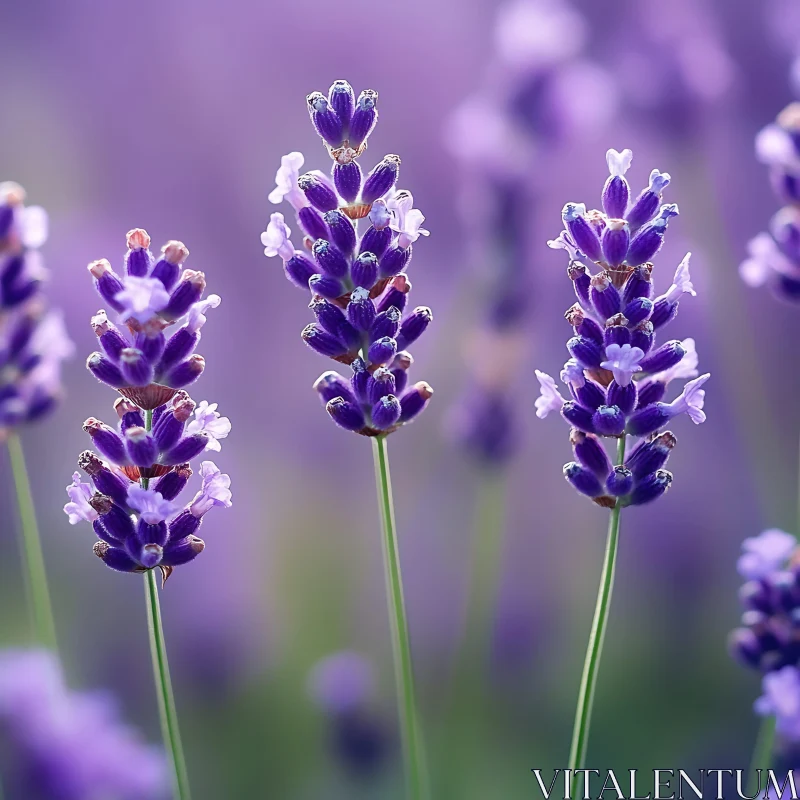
[781,699]
[68,745]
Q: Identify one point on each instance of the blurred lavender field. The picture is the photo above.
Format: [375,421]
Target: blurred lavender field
[173,116]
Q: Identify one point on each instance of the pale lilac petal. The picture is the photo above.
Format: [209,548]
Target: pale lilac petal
[550,398]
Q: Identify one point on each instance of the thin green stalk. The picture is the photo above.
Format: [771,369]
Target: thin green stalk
[410,732]
[158,651]
[583,714]
[762,755]
[30,544]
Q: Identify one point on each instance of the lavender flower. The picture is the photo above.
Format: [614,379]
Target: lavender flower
[68,745]
[774,257]
[141,525]
[617,377]
[33,340]
[359,289]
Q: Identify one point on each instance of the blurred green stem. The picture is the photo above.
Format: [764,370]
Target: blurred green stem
[410,732]
[583,714]
[31,547]
[762,754]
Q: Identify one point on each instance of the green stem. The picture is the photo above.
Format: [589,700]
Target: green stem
[762,755]
[410,732]
[583,714]
[31,547]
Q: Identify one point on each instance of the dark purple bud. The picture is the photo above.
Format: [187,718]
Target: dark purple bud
[151,344]
[318,192]
[312,223]
[381,179]
[111,340]
[105,370]
[639,284]
[624,397]
[151,534]
[399,368]
[360,379]
[330,258]
[129,413]
[386,412]
[647,242]
[638,310]
[395,260]
[376,241]
[185,524]
[326,121]
[382,351]
[299,270]
[331,384]
[106,440]
[583,233]
[582,282]
[168,268]
[141,446]
[148,555]
[364,271]
[345,414]
[343,234]
[615,196]
[609,421]
[649,419]
[578,416]
[169,486]
[583,325]
[364,118]
[342,99]
[109,483]
[98,527]
[333,320]
[666,356]
[604,296]
[186,372]
[115,558]
[188,291]
[620,482]
[651,455]
[642,336]
[590,395]
[138,259]
[169,428]
[380,384]
[19,332]
[187,448]
[413,402]
[646,204]
[664,311]
[590,453]
[756,596]
[107,282]
[651,392]
[396,294]
[361,310]
[745,647]
[347,180]
[588,353]
[387,323]
[583,480]
[179,347]
[616,238]
[326,286]
[651,488]
[323,342]
[182,551]
[617,331]
[117,522]
[136,369]
[413,326]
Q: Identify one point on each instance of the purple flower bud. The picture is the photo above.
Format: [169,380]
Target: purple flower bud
[364,118]
[109,483]
[651,488]
[342,99]
[386,412]
[651,455]
[396,294]
[136,369]
[364,271]
[399,368]
[620,482]
[151,344]
[148,555]
[381,179]
[186,372]
[647,242]
[105,371]
[107,282]
[333,320]
[590,453]
[617,332]
[646,205]
[745,647]
[639,284]
[188,291]
[583,480]
[615,241]
[111,340]
[323,342]
[330,258]
[115,558]
[151,534]
[387,323]
[318,191]
[169,428]
[312,223]
[588,353]
[638,310]
[604,296]
[331,384]
[326,121]
[608,421]
[179,347]
[185,524]
[583,325]
[116,521]
[361,310]
[666,356]
[590,395]
[326,286]
[343,234]
[381,351]
[616,190]
[578,416]
[376,241]
[413,402]
[169,486]
[582,283]
[582,232]
[651,392]
[141,446]
[106,440]
[168,268]
[182,551]
[345,414]
[360,379]
[187,448]
[380,384]
[138,259]
[347,179]
[299,270]
[395,260]
[413,326]
[624,397]
[642,336]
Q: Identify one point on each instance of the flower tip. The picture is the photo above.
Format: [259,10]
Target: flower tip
[99,268]
[175,252]
[618,162]
[138,238]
